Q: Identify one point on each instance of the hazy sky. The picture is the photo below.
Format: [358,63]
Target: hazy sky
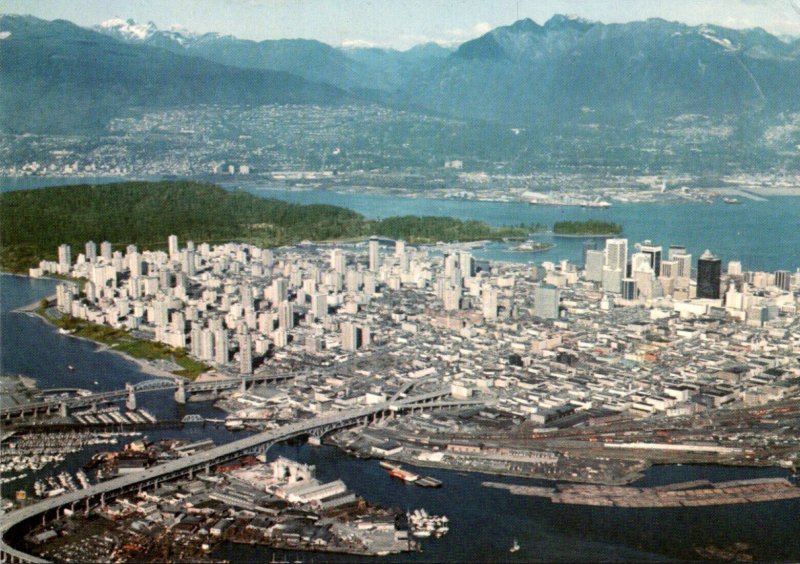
[402,23]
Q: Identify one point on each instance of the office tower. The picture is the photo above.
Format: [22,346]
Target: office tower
[374,254]
[628,289]
[669,268]
[617,254]
[684,265]
[708,272]
[245,353]
[337,261]
[783,279]
[590,245]
[105,251]
[654,254]
[546,299]
[640,262]
[612,280]
[399,248]
[64,255]
[172,245]
[221,346]
[734,268]
[91,251]
[593,262]
[489,302]
[675,250]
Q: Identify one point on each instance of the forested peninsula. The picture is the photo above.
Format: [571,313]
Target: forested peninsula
[34,222]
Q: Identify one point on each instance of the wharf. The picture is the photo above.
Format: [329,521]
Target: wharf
[686,494]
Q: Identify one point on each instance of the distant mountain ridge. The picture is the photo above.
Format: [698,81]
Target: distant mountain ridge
[60,78]
[566,71]
[346,68]
[526,73]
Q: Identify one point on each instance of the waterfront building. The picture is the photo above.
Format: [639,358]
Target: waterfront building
[708,276]
[675,250]
[616,254]
[654,255]
[783,280]
[64,257]
[734,268]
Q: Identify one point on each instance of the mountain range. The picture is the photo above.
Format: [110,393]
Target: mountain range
[61,78]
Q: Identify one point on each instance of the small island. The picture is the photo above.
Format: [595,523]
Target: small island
[588,228]
[531,247]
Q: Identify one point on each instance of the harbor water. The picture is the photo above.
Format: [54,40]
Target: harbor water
[483,521]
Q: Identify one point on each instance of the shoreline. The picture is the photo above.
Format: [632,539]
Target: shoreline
[144,365]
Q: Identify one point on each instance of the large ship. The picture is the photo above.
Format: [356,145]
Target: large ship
[404,475]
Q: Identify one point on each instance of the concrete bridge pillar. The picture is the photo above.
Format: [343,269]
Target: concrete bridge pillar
[103,499]
[180,392]
[130,403]
[62,409]
[243,385]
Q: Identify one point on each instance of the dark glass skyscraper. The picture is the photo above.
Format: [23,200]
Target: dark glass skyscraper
[709,268]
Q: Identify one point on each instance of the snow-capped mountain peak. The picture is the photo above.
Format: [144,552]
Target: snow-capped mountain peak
[128,29]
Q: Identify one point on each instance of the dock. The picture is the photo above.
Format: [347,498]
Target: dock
[686,494]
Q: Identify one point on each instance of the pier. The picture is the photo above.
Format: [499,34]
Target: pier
[689,494]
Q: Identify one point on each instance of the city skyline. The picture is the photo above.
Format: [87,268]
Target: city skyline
[353,23]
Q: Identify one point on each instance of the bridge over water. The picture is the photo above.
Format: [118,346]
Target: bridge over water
[17,521]
[181,387]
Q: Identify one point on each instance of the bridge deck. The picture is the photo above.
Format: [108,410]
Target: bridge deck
[175,468]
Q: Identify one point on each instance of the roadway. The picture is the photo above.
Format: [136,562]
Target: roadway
[202,460]
[146,386]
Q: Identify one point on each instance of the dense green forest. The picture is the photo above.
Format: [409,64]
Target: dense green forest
[34,222]
[589,227]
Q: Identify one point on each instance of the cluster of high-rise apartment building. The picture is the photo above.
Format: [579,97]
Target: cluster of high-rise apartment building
[627,332]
